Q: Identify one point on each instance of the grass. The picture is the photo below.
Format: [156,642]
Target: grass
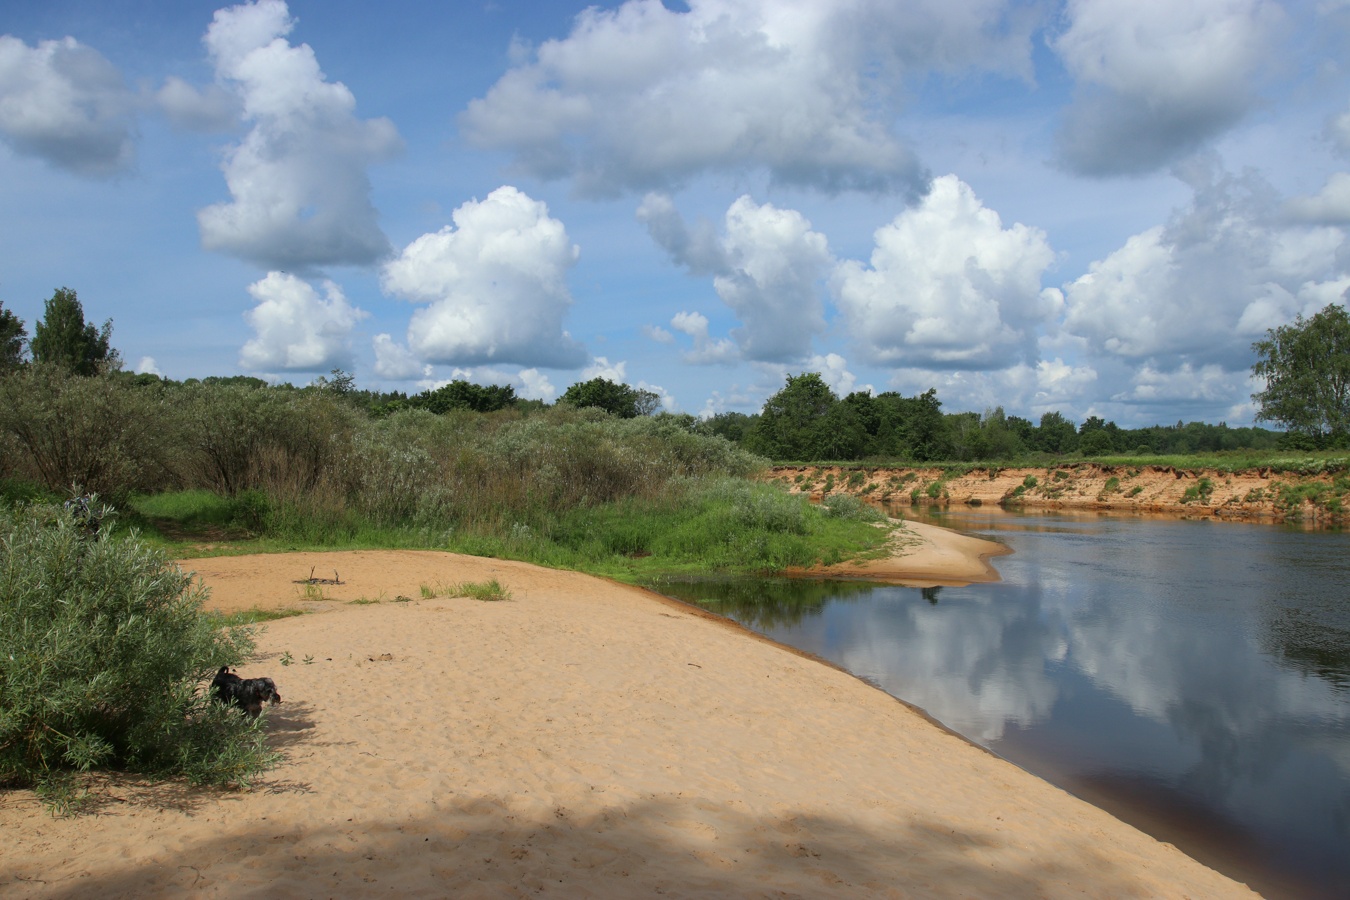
[251,616]
[1200,491]
[697,525]
[481,590]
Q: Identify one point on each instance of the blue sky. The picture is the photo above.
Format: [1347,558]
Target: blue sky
[1086,206]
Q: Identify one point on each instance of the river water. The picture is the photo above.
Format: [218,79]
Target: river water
[1191,677]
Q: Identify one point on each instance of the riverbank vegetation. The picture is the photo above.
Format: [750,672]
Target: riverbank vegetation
[599,481]
[237,463]
[103,654]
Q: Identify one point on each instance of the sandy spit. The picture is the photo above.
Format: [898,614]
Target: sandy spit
[582,739]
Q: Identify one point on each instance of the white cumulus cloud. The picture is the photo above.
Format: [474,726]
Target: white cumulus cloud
[296,329]
[298,183]
[1157,79]
[601,367]
[644,96]
[494,284]
[1210,383]
[948,286]
[706,349]
[65,103]
[1338,130]
[1331,206]
[395,361]
[1199,289]
[833,370]
[535,385]
[208,109]
[768,267]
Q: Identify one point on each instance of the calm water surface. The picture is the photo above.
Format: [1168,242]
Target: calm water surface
[1191,677]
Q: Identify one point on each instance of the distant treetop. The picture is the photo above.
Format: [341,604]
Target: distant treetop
[63,338]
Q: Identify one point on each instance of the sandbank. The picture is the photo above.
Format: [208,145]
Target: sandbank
[581,739]
[923,555]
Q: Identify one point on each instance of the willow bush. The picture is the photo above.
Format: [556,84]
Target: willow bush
[104,653]
[94,432]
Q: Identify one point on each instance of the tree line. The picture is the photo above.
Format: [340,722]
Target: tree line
[1305,366]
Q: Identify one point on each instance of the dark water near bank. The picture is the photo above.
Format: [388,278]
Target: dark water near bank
[1193,678]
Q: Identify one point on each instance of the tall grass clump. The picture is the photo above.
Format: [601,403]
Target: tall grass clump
[714,524]
[104,650]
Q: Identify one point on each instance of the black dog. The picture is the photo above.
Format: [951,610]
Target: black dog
[249,694]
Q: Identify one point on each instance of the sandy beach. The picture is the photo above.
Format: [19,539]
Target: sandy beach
[581,739]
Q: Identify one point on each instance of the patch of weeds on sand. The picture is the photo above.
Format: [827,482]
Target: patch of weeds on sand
[251,616]
[286,658]
[364,601]
[1293,496]
[481,590]
[63,795]
[1135,491]
[1198,492]
[313,592]
[428,591]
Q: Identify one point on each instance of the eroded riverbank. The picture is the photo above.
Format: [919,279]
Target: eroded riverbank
[1257,495]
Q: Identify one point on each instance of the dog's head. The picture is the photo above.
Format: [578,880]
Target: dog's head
[270,690]
[263,690]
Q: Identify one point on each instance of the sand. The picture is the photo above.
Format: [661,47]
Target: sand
[581,739]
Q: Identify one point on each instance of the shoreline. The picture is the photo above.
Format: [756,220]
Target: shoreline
[921,555]
[576,740]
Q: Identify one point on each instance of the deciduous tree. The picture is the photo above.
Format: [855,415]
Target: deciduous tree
[616,399]
[806,421]
[465,395]
[1306,368]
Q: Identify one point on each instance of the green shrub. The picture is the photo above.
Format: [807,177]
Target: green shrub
[1112,485]
[1200,491]
[847,506]
[104,651]
[1029,482]
[96,433]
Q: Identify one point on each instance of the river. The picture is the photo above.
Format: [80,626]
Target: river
[1191,677]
